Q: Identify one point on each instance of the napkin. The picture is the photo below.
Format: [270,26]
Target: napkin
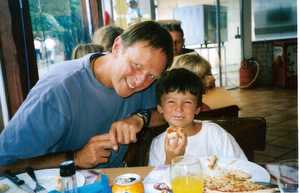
[101,186]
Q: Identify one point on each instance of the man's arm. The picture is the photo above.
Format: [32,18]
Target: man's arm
[46,161]
[96,151]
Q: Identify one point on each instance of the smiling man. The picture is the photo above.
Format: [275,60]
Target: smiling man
[85,109]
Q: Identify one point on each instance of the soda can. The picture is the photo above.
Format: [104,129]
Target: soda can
[128,183]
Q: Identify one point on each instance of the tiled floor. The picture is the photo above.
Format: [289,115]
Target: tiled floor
[279,108]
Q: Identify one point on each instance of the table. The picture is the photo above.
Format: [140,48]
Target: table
[114,172]
[219,97]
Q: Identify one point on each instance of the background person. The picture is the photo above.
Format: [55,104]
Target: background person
[82,49]
[89,108]
[197,64]
[179,95]
[176,32]
[105,36]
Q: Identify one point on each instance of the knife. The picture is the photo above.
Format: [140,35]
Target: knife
[20,183]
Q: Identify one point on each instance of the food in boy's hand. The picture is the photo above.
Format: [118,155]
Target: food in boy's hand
[172,136]
[3,188]
[212,162]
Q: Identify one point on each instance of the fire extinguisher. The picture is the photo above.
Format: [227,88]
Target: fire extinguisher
[248,72]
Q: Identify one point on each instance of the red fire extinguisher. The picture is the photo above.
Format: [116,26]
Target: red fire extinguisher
[248,72]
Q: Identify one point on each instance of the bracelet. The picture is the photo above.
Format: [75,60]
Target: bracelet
[145,115]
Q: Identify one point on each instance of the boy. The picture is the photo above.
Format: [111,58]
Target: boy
[179,97]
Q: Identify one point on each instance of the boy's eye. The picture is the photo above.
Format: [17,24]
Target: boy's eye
[188,102]
[170,102]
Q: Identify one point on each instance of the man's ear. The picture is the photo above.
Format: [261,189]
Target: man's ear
[117,45]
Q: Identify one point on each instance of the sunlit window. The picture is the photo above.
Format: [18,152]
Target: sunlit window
[57,28]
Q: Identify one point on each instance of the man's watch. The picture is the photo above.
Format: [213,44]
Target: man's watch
[145,115]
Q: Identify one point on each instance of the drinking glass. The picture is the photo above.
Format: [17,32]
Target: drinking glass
[288,176]
[186,175]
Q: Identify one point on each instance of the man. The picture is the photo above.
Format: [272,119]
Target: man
[176,32]
[74,111]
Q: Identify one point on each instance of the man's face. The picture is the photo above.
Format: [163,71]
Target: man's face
[136,67]
[178,42]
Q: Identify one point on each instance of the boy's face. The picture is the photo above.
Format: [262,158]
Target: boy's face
[179,108]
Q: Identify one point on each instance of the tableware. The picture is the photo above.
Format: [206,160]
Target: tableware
[48,177]
[38,187]
[20,183]
[257,172]
[161,174]
[186,175]
[288,176]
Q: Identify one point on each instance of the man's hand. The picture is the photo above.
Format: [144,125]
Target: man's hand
[125,131]
[96,151]
[172,150]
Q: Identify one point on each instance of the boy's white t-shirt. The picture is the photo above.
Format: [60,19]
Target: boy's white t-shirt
[212,139]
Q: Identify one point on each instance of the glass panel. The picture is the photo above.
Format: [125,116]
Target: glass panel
[231,55]
[274,19]
[57,28]
[127,12]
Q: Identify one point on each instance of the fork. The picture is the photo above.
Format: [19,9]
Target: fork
[38,187]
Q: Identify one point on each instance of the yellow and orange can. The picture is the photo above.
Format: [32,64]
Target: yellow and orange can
[128,183]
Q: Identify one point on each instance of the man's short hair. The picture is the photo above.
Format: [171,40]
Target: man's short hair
[179,80]
[153,33]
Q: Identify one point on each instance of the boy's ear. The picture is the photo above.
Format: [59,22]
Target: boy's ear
[198,110]
[159,109]
[117,45]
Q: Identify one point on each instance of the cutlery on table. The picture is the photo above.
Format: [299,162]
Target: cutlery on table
[38,186]
[20,183]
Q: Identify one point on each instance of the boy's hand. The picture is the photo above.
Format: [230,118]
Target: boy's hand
[175,149]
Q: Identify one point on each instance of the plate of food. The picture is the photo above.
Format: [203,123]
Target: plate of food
[49,178]
[214,166]
[220,175]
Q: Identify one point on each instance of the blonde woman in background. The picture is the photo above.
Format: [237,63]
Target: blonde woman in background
[82,49]
[197,64]
[105,36]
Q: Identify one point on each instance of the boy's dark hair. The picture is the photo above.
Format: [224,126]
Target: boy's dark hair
[179,80]
[154,34]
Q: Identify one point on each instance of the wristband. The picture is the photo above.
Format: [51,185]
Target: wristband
[145,115]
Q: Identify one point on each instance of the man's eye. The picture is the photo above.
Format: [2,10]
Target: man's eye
[137,66]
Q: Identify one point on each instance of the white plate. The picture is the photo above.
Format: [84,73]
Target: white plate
[258,173]
[162,173]
[47,178]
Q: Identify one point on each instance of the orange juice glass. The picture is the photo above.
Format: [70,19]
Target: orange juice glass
[186,175]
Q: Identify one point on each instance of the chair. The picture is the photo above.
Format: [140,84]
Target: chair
[249,132]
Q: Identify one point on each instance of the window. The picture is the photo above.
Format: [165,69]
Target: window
[57,27]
